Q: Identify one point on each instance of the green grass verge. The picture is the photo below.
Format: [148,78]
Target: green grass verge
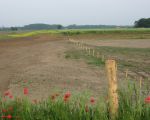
[135,59]
[80,54]
[132,58]
[132,106]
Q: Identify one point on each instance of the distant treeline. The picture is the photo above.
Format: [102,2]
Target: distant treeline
[58,27]
[143,23]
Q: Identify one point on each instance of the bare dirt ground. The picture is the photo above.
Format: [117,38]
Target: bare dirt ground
[145,43]
[40,64]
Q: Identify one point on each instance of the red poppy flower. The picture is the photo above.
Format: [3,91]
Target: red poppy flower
[25,81]
[65,99]
[26,91]
[67,94]
[10,108]
[92,100]
[11,96]
[3,116]
[147,100]
[6,93]
[9,116]
[4,110]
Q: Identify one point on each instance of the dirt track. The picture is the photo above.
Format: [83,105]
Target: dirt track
[41,62]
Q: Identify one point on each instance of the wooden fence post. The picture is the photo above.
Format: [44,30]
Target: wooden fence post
[126,73]
[93,52]
[103,58]
[140,83]
[86,49]
[111,68]
[89,51]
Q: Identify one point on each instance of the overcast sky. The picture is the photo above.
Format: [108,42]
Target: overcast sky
[65,12]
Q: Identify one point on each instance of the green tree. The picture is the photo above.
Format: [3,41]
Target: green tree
[144,22]
[14,28]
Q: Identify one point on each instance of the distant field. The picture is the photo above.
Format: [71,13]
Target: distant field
[141,33]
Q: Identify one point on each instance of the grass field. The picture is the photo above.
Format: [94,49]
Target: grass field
[46,77]
[141,33]
[135,59]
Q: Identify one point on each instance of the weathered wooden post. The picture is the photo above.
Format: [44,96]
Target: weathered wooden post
[103,58]
[111,68]
[86,49]
[93,52]
[77,43]
[80,45]
[126,73]
[140,83]
[89,51]
[68,36]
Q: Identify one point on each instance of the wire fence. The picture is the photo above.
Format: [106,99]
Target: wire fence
[142,78]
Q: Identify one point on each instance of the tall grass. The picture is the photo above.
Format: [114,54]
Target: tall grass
[132,106]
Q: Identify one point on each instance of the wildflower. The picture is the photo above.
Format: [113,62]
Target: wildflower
[10,108]
[53,97]
[11,96]
[92,100]
[9,116]
[3,116]
[25,81]
[67,94]
[4,110]
[65,99]
[6,93]
[26,91]
[147,100]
